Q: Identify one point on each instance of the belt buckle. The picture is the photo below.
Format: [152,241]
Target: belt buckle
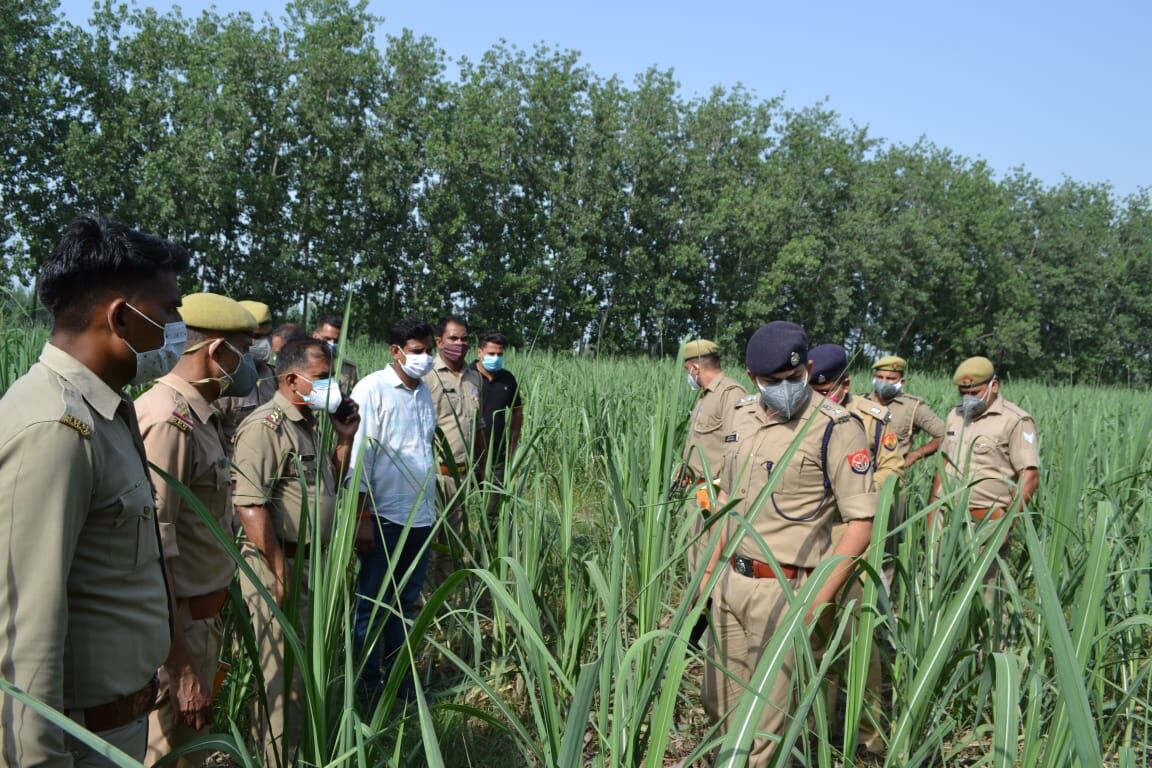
[742,566]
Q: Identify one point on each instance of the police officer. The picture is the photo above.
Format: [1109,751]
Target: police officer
[990,445]
[277,446]
[183,437]
[455,391]
[84,609]
[329,330]
[830,379]
[828,478]
[234,408]
[910,414]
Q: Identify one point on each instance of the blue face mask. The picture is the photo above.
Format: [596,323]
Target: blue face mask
[493,363]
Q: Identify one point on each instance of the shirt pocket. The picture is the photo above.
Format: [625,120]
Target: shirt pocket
[707,424]
[133,541]
[982,446]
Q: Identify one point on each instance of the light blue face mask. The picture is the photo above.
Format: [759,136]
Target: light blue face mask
[785,398]
[493,363]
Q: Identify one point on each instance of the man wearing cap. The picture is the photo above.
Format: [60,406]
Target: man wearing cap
[284,486]
[990,445]
[910,414]
[830,379]
[234,408]
[828,478]
[183,438]
[84,609]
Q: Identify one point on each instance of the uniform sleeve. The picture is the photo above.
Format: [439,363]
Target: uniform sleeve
[255,465]
[889,460]
[45,489]
[1023,448]
[168,448]
[850,471]
[926,420]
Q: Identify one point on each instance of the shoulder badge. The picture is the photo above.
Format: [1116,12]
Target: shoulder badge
[890,441]
[181,417]
[747,400]
[860,462]
[76,414]
[274,419]
[834,412]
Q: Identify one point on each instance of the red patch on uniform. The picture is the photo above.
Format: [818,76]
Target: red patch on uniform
[860,462]
[890,442]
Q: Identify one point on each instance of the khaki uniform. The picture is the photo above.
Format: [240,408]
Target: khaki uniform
[883,443]
[990,452]
[910,415]
[84,608]
[183,436]
[456,399]
[233,410]
[819,486]
[266,472]
[706,436]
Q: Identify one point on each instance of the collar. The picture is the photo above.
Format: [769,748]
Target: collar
[442,365]
[713,385]
[91,387]
[290,409]
[201,407]
[394,380]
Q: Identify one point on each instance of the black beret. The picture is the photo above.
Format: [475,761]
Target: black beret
[776,346]
[829,362]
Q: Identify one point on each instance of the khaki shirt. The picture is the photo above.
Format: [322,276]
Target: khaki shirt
[706,426]
[234,410]
[910,416]
[267,473]
[84,616]
[456,400]
[182,436]
[990,452]
[883,444]
[795,520]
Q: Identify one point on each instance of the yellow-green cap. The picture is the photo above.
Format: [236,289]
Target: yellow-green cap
[213,312]
[258,310]
[891,363]
[699,348]
[973,371]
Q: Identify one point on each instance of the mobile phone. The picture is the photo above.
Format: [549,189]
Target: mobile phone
[343,411]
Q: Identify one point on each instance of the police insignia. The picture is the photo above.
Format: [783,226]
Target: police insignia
[890,441]
[730,438]
[794,359]
[272,420]
[859,462]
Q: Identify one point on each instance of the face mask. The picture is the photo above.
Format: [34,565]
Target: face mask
[454,352]
[972,406]
[154,363]
[261,350]
[416,365]
[333,347]
[887,389]
[325,395]
[493,363]
[693,382]
[785,398]
[238,383]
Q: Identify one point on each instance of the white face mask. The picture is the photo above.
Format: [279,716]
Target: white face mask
[325,396]
[416,365]
[154,363]
[693,383]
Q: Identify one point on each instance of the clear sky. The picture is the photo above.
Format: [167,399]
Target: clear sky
[1061,88]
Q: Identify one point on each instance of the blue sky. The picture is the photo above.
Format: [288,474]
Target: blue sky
[1060,88]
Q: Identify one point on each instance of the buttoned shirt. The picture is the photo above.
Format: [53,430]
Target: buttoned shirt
[455,399]
[910,415]
[883,444]
[183,437]
[991,451]
[394,448]
[706,429]
[84,616]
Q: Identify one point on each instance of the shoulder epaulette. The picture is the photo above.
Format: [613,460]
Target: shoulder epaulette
[274,419]
[747,400]
[834,412]
[76,414]
[881,413]
[181,417]
[1017,410]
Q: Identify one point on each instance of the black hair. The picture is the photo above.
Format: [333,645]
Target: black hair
[97,258]
[336,321]
[289,332]
[443,324]
[710,360]
[492,337]
[298,353]
[409,328]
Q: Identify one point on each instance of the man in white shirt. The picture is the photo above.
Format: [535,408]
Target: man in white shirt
[394,448]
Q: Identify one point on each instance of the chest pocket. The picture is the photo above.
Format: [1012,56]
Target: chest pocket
[133,541]
[986,447]
[805,473]
[706,423]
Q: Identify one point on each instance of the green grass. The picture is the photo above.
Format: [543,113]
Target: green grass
[584,659]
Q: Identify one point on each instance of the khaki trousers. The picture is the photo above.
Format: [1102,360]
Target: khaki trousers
[745,614]
[132,739]
[446,556]
[277,729]
[164,734]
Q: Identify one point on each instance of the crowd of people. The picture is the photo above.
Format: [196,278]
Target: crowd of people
[111,598]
